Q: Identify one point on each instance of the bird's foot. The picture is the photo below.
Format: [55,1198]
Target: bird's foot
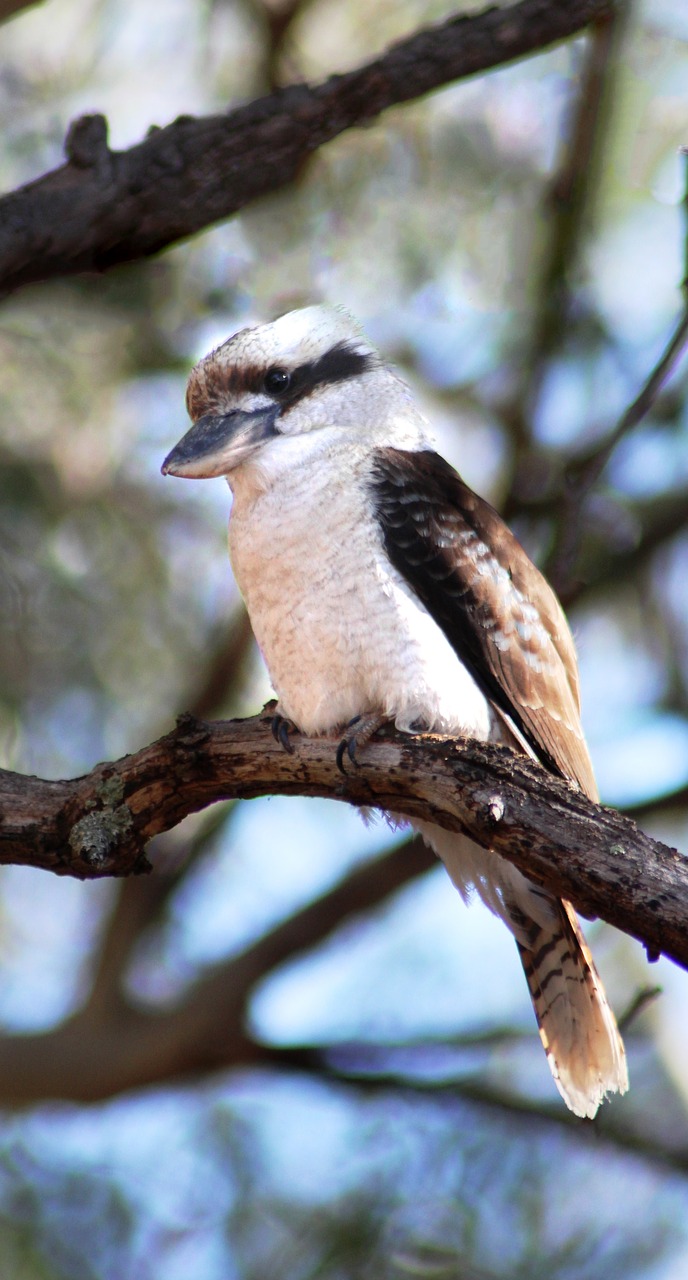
[281,728]
[363,729]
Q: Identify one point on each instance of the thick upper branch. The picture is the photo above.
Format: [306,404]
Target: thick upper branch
[99,824]
[105,207]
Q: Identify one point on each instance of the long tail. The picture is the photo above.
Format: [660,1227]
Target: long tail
[577,1027]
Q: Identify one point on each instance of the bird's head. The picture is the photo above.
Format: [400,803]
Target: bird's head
[286,389]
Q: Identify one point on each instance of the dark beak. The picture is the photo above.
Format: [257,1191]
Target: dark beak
[216,444]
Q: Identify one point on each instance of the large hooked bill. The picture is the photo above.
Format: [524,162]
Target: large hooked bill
[217,443]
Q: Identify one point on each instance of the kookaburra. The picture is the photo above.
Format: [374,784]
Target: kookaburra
[381,588]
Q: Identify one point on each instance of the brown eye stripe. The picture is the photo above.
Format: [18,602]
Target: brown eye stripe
[212,383]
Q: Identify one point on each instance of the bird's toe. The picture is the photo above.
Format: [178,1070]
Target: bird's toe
[362,729]
[281,728]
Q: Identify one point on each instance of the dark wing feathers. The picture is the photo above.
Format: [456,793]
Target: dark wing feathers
[496,609]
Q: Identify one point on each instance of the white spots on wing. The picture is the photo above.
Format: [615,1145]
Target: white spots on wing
[502,640]
[486,565]
[481,552]
[535,662]
[528,611]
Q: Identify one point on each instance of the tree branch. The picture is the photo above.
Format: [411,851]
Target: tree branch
[10,8]
[99,824]
[106,207]
[112,1045]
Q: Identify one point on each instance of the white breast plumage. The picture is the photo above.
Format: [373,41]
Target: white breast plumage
[340,630]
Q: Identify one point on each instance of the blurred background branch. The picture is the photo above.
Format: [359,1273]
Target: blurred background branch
[10,8]
[581,477]
[105,208]
[571,198]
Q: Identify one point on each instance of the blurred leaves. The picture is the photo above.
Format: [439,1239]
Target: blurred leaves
[525,333]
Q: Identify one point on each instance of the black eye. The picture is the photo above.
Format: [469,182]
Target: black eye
[277,381]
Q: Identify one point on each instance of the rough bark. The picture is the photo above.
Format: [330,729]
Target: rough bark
[99,824]
[106,207]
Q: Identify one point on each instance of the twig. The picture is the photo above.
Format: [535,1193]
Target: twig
[638,1005]
[278,18]
[660,521]
[583,474]
[484,1094]
[568,205]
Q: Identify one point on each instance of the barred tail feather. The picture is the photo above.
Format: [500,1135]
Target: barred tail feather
[577,1027]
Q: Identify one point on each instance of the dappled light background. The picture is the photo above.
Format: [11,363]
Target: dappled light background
[424,1137]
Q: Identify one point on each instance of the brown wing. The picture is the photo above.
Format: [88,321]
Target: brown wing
[496,609]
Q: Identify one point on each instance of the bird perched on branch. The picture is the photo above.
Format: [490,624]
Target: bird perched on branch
[381,588]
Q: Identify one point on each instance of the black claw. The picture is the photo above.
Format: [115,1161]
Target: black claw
[347,747]
[281,728]
[352,742]
[340,755]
